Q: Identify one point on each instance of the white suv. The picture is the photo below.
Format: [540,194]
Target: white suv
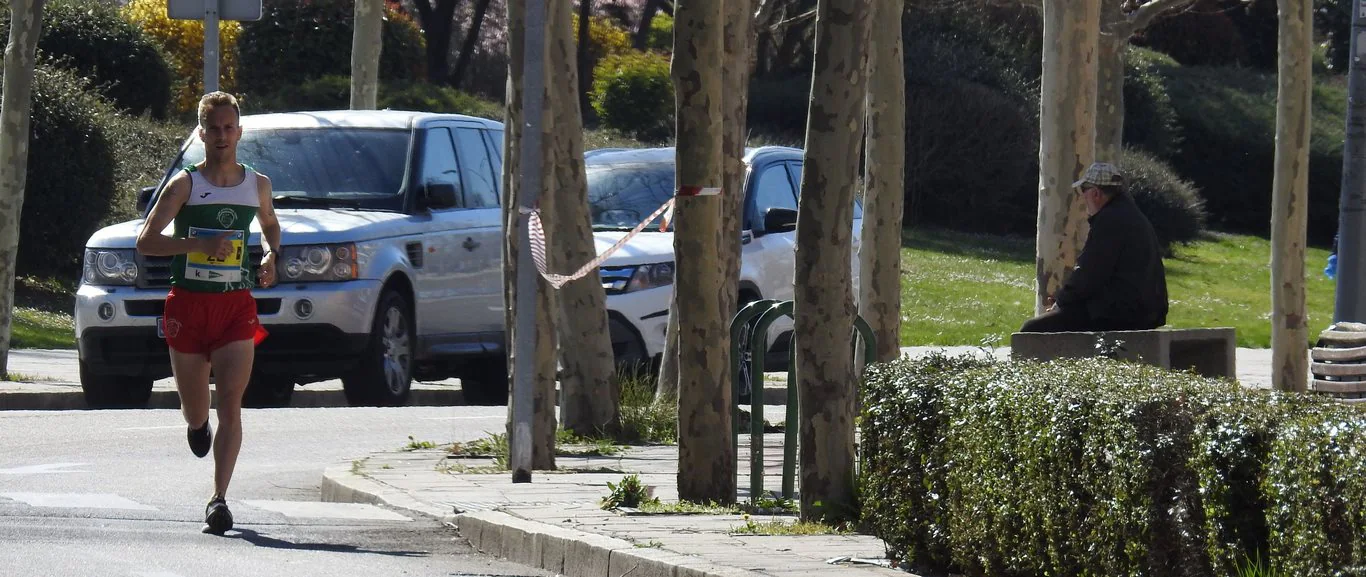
[391,267]
[625,186]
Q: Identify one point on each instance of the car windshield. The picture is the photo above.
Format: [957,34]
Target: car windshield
[328,166]
[622,195]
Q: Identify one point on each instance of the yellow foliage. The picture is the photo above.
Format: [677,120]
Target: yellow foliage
[605,37]
[183,43]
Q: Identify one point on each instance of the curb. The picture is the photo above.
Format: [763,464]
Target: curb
[340,485]
[302,399]
[560,550]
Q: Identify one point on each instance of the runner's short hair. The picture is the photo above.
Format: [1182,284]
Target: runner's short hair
[213,99]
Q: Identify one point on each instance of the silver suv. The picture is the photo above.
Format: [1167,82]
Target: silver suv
[390,270]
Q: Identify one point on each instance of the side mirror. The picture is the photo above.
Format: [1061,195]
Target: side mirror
[441,195]
[145,198]
[778,220]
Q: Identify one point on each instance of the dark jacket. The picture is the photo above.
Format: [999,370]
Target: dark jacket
[1119,275]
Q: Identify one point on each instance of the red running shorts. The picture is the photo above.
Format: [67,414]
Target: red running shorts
[201,323]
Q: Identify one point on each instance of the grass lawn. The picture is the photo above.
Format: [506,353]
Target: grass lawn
[965,289]
[42,315]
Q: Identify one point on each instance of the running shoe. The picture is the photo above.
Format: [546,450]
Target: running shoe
[201,440]
[217,517]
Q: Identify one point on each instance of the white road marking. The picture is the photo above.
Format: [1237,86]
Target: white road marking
[316,510]
[77,501]
[466,418]
[42,469]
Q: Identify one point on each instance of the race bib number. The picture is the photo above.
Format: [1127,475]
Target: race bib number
[204,267]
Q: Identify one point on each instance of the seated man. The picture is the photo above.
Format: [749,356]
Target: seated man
[1119,283]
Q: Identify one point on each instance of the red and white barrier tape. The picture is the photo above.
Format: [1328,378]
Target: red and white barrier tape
[537,232]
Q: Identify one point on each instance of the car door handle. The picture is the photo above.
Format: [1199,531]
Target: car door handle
[470,243]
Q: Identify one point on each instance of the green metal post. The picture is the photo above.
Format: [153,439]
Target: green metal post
[737,326]
[759,342]
[793,422]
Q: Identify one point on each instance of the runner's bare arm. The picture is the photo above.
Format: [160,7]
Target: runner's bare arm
[270,231]
[152,242]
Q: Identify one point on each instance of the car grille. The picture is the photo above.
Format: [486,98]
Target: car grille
[155,271]
[154,308]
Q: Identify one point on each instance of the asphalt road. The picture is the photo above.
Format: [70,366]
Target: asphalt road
[118,493]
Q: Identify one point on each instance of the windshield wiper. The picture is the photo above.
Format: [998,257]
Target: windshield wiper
[316,201]
[611,228]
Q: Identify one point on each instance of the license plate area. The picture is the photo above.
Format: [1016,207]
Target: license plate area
[161,327]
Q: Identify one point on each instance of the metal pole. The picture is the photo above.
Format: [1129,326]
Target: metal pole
[210,46]
[529,193]
[1351,276]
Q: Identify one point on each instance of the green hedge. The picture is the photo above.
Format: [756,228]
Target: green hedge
[1172,205]
[93,39]
[333,92]
[298,40]
[1150,120]
[1097,467]
[633,93]
[1228,127]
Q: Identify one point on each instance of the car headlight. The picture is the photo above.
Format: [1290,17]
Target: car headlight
[642,277]
[317,263]
[110,267]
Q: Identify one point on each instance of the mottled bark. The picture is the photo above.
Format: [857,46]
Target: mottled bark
[735,71]
[543,404]
[26,21]
[589,405]
[706,459]
[1290,198]
[885,178]
[1116,29]
[824,303]
[1067,137]
[365,50]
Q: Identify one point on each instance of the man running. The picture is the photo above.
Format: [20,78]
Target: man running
[210,319]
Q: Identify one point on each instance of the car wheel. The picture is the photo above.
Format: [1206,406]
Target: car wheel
[384,376]
[268,392]
[114,391]
[486,382]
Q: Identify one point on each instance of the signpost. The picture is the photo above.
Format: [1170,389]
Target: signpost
[211,12]
[529,191]
[1351,276]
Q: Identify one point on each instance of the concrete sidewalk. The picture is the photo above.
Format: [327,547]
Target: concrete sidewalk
[555,522]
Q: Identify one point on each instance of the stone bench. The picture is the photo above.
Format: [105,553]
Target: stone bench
[1210,352]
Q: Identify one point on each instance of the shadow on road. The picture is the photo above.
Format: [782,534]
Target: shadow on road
[260,540]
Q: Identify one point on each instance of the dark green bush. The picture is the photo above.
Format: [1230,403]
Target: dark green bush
[971,160]
[1098,467]
[331,92]
[1150,121]
[297,40]
[778,105]
[1228,127]
[661,35]
[425,97]
[92,38]
[633,93]
[70,185]
[1172,205]
[1204,35]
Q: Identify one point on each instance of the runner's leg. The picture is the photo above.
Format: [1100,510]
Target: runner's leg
[232,369]
[192,381]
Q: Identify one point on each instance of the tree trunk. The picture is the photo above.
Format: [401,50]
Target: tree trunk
[26,20]
[585,55]
[543,404]
[706,458]
[589,405]
[1110,97]
[1290,198]
[365,49]
[436,24]
[470,45]
[880,250]
[824,302]
[735,71]
[641,38]
[1066,136]
[666,386]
